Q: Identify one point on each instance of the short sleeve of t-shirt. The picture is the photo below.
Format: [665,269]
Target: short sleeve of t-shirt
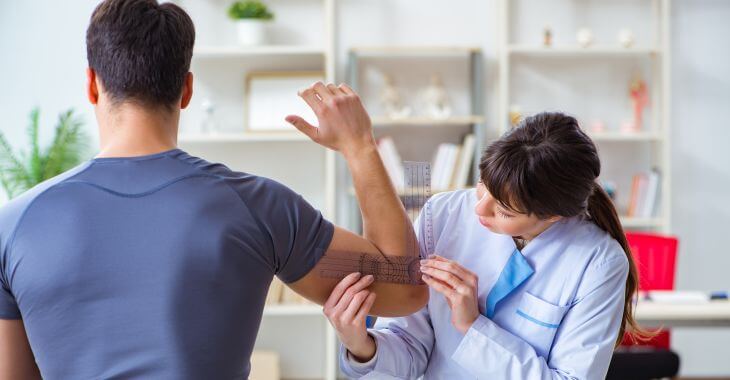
[298,233]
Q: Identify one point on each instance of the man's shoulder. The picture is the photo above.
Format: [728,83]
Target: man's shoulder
[250,187]
[12,212]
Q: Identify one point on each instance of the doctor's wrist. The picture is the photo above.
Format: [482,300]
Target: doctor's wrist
[363,352]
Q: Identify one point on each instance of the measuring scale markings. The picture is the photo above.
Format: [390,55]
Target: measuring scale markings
[388,268]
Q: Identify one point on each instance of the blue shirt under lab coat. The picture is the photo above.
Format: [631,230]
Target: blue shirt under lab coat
[559,322]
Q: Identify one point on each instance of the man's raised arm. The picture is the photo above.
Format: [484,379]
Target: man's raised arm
[389,239]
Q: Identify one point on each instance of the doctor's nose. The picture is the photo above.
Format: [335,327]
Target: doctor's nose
[485,205]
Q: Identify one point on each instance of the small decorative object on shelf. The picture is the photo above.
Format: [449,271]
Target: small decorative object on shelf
[392,101]
[626,37]
[435,99]
[515,115]
[598,126]
[547,37]
[640,99]
[252,17]
[208,125]
[584,37]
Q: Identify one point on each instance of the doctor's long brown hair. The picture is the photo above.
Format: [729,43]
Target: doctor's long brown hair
[548,166]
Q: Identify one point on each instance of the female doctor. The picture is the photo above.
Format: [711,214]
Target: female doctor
[533,277]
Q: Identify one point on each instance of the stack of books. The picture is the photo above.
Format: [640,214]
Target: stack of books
[450,166]
[645,195]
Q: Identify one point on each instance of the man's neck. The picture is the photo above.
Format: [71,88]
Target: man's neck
[129,131]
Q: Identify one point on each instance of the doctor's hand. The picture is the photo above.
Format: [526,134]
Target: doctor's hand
[344,125]
[458,285]
[346,309]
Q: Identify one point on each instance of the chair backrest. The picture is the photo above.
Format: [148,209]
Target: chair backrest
[656,258]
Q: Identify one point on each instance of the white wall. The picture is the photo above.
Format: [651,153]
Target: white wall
[42,61]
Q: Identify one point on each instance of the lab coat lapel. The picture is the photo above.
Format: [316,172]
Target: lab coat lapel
[516,271]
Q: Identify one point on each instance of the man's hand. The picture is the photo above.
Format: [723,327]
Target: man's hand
[344,125]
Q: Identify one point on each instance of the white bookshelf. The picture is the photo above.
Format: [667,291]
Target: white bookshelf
[650,52]
[464,75]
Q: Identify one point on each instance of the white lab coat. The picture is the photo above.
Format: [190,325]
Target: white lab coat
[560,323]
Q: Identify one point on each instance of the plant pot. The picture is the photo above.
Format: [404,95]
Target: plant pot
[251,31]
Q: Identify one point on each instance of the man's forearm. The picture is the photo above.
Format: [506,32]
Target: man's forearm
[385,222]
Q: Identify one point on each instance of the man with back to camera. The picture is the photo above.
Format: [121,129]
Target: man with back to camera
[146,262]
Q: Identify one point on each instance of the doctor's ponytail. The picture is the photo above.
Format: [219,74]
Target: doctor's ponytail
[547,167]
[603,213]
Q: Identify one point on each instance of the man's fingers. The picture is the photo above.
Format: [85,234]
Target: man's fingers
[310,96]
[366,306]
[303,126]
[340,289]
[334,89]
[346,89]
[322,91]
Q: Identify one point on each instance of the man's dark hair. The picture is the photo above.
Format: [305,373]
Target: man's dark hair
[140,50]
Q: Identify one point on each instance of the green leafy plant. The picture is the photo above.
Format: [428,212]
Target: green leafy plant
[251,9]
[21,171]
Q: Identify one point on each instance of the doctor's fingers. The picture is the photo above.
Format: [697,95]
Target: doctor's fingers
[349,314]
[452,267]
[350,292]
[459,286]
[440,287]
[340,289]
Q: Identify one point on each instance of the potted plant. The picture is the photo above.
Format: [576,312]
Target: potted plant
[21,171]
[251,18]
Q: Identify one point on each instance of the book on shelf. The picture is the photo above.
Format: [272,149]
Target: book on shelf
[450,166]
[392,161]
[281,294]
[645,192]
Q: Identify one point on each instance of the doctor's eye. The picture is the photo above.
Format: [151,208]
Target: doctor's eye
[504,215]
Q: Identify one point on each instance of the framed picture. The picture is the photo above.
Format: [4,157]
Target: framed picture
[271,96]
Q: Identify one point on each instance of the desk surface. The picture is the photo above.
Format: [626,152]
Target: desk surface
[711,313]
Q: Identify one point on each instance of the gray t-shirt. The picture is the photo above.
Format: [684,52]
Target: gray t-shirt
[151,267]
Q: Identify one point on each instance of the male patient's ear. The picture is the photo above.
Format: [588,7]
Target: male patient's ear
[92,90]
[187,92]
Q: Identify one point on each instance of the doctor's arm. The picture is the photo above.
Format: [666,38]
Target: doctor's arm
[16,357]
[582,346]
[345,126]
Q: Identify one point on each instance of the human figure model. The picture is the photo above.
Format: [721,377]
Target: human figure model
[436,100]
[640,99]
[392,101]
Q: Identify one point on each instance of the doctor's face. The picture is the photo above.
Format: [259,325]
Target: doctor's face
[501,220]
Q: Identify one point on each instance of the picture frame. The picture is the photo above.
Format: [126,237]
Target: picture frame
[272,95]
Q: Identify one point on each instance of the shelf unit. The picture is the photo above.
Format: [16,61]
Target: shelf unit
[653,53]
[474,120]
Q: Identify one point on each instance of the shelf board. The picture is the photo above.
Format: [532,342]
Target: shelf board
[256,51]
[537,50]
[632,222]
[292,310]
[415,51]
[625,136]
[426,121]
[229,137]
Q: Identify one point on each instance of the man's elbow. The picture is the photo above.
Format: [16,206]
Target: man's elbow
[403,301]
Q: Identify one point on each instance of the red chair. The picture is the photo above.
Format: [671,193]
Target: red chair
[656,258]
